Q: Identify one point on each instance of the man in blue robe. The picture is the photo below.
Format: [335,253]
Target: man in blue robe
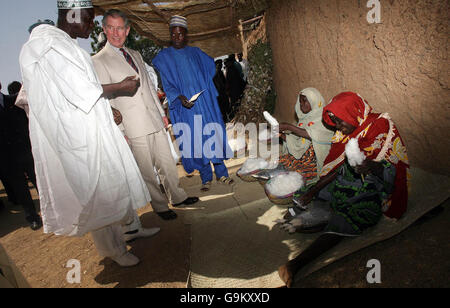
[198,125]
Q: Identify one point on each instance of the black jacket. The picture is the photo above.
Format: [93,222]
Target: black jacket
[14,133]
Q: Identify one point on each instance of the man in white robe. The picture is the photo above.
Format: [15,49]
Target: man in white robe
[88,179]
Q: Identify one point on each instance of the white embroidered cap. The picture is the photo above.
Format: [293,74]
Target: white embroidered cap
[74,4]
[178,21]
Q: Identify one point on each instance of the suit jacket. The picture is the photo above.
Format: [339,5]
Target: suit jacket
[141,114]
[14,135]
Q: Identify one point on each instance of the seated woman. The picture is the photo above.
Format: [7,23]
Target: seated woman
[307,144]
[349,200]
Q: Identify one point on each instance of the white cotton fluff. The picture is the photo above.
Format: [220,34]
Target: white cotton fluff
[271,120]
[354,155]
[285,184]
[265,134]
[253,164]
[237,144]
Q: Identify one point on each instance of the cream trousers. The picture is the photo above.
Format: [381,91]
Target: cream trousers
[153,152]
[109,240]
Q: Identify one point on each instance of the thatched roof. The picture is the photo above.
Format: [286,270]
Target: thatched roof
[213,25]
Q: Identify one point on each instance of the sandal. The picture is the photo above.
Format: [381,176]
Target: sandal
[206,186]
[226,180]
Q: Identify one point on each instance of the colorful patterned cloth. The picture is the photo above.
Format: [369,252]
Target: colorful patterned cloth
[306,165]
[355,202]
[378,138]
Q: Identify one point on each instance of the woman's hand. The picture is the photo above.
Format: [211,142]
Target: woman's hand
[300,132]
[284,126]
[370,166]
[305,199]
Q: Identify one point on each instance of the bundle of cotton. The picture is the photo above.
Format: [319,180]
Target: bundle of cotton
[237,144]
[285,184]
[253,164]
[272,121]
[354,155]
[265,134]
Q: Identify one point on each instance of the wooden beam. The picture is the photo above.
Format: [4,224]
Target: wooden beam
[252,20]
[206,10]
[177,5]
[148,32]
[196,35]
[158,11]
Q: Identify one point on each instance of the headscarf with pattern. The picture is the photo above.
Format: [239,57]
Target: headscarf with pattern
[378,139]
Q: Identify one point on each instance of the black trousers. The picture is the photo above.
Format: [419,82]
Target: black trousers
[15,170]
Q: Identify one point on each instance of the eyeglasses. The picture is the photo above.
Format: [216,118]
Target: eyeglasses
[112,29]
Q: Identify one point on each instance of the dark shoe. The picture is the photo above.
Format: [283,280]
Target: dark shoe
[36,225]
[188,201]
[167,215]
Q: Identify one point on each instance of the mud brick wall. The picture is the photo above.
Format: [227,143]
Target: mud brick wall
[400,66]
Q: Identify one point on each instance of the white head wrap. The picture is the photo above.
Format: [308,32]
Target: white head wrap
[312,123]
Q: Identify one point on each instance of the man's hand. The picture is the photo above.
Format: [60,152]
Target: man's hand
[117,116]
[166,122]
[185,102]
[129,85]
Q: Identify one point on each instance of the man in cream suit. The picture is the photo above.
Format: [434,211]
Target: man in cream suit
[143,120]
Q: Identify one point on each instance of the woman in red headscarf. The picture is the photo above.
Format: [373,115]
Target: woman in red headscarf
[355,197]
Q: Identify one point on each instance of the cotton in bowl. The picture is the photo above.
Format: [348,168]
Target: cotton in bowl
[250,167]
[280,190]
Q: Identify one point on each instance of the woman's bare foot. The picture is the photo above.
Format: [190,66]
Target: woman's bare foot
[286,274]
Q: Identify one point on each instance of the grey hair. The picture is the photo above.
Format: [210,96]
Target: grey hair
[116,13]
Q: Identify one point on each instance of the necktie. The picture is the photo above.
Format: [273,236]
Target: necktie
[129,59]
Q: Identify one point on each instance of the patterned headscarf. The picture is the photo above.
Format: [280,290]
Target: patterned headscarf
[352,108]
[378,138]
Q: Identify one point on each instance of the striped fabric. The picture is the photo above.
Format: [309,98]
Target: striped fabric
[129,60]
[306,165]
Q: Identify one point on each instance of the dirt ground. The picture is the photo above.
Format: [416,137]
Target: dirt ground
[417,257]
[42,258]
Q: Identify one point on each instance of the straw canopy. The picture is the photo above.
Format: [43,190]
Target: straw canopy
[213,25]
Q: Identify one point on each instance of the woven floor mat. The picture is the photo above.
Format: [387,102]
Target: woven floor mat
[242,247]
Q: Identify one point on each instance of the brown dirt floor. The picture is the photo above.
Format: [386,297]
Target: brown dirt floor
[417,257]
